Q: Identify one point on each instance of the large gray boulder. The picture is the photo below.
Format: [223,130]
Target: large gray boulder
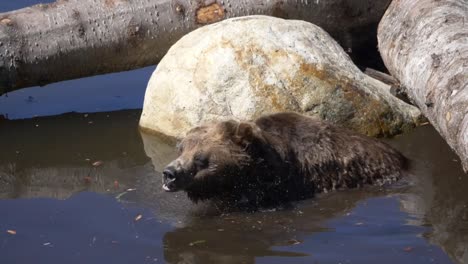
[244,67]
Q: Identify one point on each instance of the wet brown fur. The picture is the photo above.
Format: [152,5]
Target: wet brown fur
[280,158]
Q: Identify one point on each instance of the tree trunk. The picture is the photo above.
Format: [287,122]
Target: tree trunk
[75,38]
[424,44]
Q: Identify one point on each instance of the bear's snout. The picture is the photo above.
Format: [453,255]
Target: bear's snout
[176,177]
[169,179]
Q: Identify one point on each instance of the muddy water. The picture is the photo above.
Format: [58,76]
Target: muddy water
[63,209]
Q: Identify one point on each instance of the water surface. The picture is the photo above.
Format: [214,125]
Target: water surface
[65,210]
[57,207]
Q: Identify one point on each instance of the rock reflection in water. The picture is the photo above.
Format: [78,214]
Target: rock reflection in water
[53,156]
[61,183]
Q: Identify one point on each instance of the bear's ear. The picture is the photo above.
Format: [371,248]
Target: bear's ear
[245,133]
[228,128]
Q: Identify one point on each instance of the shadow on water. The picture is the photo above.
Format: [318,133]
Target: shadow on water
[439,193]
[110,92]
[64,209]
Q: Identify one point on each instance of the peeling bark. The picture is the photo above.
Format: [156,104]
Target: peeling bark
[76,38]
[424,44]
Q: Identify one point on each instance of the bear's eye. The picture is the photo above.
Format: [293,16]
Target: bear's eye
[201,160]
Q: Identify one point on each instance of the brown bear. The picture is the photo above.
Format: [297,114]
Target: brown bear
[277,158]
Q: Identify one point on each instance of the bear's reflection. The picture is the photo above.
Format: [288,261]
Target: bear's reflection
[242,237]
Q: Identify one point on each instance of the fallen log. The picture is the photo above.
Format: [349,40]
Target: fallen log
[76,38]
[424,44]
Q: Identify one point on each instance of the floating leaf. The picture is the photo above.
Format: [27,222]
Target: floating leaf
[97,163]
[197,242]
[294,241]
[120,195]
[408,249]
[138,217]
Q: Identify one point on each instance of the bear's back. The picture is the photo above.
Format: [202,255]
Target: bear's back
[330,156]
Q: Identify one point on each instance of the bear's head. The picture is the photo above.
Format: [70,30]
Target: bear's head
[213,159]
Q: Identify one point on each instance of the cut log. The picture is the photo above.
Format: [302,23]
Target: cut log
[424,44]
[75,38]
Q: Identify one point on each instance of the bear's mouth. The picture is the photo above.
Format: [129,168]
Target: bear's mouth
[169,182]
[169,188]
[177,182]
